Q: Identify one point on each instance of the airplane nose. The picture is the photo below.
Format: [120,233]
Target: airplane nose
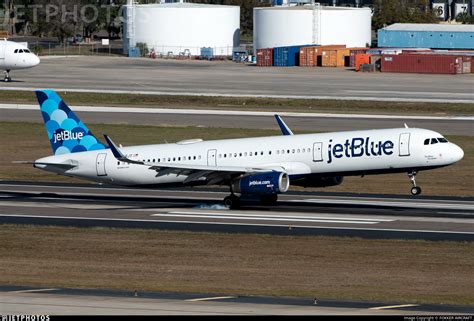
[35,60]
[457,153]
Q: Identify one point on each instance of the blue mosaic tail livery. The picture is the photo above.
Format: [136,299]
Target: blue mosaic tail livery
[66,132]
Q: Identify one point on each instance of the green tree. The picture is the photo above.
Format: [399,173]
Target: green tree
[387,12]
[465,18]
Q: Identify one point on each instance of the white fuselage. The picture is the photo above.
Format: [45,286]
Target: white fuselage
[327,154]
[16,56]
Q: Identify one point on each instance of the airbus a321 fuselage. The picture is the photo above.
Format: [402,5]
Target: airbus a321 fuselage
[261,166]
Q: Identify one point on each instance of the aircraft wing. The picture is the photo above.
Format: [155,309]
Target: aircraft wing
[213,174]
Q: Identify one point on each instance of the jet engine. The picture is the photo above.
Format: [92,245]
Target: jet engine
[262,183]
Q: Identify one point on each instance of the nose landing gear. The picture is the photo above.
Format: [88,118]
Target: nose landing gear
[7,77]
[415,190]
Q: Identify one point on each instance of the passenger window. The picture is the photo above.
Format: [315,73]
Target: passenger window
[250,154]
[434,141]
[293,151]
[269,152]
[288,151]
[240,154]
[245,154]
[261,153]
[199,157]
[194,157]
[427,141]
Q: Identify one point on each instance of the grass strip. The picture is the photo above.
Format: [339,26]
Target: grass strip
[248,104]
[238,264]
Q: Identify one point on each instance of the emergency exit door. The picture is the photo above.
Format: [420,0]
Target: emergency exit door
[211,157]
[318,152]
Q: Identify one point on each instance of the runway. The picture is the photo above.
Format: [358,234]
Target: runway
[238,119]
[171,77]
[16,300]
[301,213]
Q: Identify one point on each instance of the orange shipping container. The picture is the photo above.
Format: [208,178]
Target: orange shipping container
[309,56]
[361,59]
[335,57]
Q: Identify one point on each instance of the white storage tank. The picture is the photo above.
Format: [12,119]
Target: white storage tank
[182,27]
[311,24]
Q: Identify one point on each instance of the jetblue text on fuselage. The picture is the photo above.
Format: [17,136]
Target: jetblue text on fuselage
[67,135]
[358,147]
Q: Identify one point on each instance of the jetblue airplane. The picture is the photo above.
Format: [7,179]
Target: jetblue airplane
[260,167]
[15,56]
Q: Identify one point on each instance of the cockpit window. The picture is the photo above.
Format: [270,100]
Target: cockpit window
[427,141]
[26,50]
[442,140]
[20,50]
[16,51]
[434,141]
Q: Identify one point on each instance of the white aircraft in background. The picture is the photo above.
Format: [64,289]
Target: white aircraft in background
[15,56]
[262,166]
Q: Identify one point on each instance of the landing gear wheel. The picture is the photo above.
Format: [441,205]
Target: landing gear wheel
[415,190]
[232,201]
[7,77]
[269,199]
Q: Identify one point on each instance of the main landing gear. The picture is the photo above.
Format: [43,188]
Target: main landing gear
[7,77]
[415,190]
[233,201]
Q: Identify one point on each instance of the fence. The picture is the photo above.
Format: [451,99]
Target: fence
[54,48]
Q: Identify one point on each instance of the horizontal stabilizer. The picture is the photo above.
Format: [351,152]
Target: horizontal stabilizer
[65,166]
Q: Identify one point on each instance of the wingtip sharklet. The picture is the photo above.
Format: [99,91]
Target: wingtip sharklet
[285,130]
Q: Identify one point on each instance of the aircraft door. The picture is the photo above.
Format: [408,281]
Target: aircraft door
[2,51]
[404,144]
[100,164]
[318,152]
[212,157]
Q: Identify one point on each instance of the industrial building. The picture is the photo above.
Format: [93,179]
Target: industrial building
[182,28]
[311,24]
[434,36]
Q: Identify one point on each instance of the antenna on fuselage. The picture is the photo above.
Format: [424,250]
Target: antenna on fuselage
[406,126]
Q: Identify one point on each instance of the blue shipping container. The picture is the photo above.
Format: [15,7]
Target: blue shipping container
[286,56]
[134,52]
[435,39]
[207,52]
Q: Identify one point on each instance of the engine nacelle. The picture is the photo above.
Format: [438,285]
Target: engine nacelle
[320,181]
[262,183]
